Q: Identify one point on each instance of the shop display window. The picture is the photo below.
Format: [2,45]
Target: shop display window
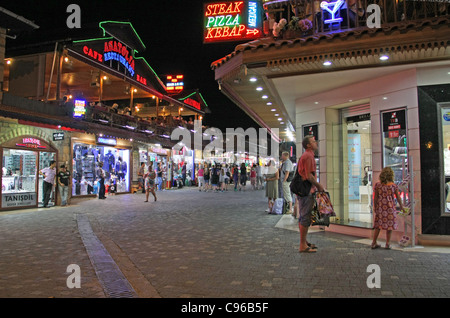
[19,178]
[86,159]
[445,144]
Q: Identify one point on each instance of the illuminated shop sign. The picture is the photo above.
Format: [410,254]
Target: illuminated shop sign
[117,51]
[107,141]
[332,8]
[116,56]
[79,109]
[232,21]
[175,83]
[193,103]
[31,143]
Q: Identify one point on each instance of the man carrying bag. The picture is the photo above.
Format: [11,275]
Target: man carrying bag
[304,185]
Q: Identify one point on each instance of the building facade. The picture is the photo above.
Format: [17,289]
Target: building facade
[373,97]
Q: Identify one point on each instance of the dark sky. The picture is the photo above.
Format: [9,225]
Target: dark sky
[172,32]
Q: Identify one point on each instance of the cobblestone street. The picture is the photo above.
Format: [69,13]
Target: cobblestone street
[189,244]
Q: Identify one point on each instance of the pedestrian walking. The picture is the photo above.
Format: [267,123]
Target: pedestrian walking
[236,178]
[215,174]
[286,176]
[206,176]
[49,174]
[159,173]
[226,177]
[385,214]
[253,177]
[101,177]
[141,173]
[200,177]
[222,180]
[63,184]
[259,177]
[150,182]
[271,179]
[307,170]
[243,176]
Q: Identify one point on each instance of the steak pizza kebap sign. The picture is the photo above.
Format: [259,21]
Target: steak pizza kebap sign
[232,21]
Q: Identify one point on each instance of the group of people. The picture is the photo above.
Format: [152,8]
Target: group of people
[50,178]
[218,177]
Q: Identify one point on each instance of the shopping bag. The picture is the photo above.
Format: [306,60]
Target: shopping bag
[324,205]
[278,206]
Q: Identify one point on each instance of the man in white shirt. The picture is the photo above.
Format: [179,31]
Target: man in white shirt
[49,174]
[286,173]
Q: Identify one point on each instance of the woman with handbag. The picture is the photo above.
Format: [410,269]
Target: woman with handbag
[271,178]
[384,206]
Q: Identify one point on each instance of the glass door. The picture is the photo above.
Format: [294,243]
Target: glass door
[352,170]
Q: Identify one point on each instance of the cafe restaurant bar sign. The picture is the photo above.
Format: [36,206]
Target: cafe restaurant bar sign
[229,21]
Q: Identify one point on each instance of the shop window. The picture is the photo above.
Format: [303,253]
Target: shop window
[445,150]
[86,159]
[19,178]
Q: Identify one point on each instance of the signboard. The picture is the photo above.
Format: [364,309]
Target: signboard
[175,83]
[232,21]
[107,141]
[193,103]
[12,200]
[79,110]
[28,142]
[394,120]
[58,136]
[311,130]
[116,56]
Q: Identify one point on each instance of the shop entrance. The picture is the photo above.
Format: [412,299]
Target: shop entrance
[22,159]
[352,168]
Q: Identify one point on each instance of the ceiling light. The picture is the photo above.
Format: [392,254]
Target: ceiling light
[385,98]
[384,57]
[253,79]
[8,62]
[259,89]
[276,115]
[316,103]
[273,109]
[269,104]
[280,119]
[265,97]
[327,63]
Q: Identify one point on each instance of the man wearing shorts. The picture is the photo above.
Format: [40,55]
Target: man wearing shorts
[307,170]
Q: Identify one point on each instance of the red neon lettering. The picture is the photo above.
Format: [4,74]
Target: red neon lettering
[221,8]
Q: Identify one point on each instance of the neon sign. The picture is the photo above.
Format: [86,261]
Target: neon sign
[175,83]
[335,6]
[31,143]
[193,103]
[80,108]
[232,21]
[117,51]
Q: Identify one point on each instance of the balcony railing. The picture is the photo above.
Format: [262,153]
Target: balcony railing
[296,18]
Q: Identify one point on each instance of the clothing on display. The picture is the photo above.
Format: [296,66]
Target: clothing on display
[86,159]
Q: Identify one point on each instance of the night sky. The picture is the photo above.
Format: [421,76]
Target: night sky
[172,32]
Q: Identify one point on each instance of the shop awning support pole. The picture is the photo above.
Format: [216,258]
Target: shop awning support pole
[131,100]
[51,74]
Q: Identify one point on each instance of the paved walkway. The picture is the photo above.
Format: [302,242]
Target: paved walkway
[190,244]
